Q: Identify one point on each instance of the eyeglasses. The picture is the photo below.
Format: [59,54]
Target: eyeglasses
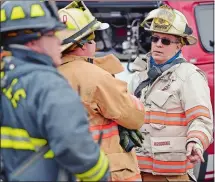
[164,41]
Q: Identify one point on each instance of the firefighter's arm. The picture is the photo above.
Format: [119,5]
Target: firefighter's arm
[198,110]
[134,82]
[63,122]
[115,103]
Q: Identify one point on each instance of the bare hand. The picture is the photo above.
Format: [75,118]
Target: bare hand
[194,154]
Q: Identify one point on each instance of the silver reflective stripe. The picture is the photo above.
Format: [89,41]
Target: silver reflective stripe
[166,119]
[105,131]
[15,138]
[63,175]
[145,162]
[197,111]
[162,166]
[159,166]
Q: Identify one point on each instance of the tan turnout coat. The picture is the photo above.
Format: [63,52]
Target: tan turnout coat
[178,110]
[108,104]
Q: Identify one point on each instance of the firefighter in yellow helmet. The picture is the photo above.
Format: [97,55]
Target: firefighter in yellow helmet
[111,108]
[44,127]
[176,97]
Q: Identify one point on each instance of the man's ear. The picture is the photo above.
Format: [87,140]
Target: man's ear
[32,45]
[29,44]
[179,46]
[84,47]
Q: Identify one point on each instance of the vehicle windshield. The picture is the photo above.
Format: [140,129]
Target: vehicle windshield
[204,20]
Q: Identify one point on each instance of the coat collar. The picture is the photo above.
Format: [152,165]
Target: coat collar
[27,55]
[109,63]
[143,63]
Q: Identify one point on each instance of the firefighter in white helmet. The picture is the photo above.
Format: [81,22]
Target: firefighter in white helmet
[111,108]
[176,97]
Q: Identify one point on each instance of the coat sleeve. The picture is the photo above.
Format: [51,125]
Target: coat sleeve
[198,109]
[115,103]
[63,122]
[134,82]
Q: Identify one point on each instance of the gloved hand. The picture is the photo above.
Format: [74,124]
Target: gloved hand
[129,138]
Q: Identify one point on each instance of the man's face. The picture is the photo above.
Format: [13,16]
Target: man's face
[49,45]
[161,52]
[88,49]
[91,48]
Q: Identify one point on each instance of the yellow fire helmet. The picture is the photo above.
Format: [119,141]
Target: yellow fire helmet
[169,21]
[80,23]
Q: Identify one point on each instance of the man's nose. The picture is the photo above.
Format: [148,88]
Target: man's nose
[159,43]
[59,40]
[57,37]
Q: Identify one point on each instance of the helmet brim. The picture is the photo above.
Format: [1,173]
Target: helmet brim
[98,26]
[103,26]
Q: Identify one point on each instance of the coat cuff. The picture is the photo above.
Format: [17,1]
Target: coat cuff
[197,141]
[199,137]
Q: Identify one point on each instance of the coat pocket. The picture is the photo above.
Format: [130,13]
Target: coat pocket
[166,101]
[169,148]
[159,97]
[122,165]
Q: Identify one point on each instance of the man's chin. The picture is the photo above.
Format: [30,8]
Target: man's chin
[158,59]
[57,62]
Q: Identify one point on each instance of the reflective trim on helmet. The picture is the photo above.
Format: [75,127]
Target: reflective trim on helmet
[3,15]
[17,13]
[37,10]
[31,15]
[79,33]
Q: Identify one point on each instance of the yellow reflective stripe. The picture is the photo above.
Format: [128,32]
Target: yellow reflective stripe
[100,168]
[17,13]
[37,10]
[32,144]
[3,15]
[102,171]
[49,154]
[23,145]
[2,74]
[14,132]
[38,142]
[6,143]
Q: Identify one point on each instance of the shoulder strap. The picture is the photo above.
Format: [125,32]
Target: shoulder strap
[153,74]
[142,85]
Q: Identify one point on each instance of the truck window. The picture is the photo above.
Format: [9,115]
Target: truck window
[204,20]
